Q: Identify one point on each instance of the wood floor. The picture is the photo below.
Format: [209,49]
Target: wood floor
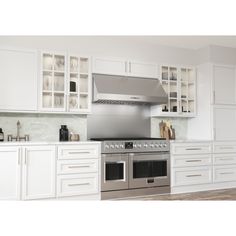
[216,195]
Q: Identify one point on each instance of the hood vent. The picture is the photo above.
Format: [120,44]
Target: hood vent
[114,89]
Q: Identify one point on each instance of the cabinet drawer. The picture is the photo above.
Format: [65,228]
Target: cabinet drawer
[77,166]
[77,152]
[192,160]
[224,173]
[224,148]
[189,176]
[182,149]
[224,159]
[71,185]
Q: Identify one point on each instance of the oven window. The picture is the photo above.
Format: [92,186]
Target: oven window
[146,169]
[114,171]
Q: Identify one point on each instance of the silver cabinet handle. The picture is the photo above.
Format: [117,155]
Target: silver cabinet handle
[130,67]
[226,147]
[75,167]
[72,185]
[226,173]
[193,149]
[193,160]
[226,159]
[126,67]
[193,175]
[78,152]
[19,160]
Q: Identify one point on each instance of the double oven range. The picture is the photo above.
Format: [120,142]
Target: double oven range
[134,167]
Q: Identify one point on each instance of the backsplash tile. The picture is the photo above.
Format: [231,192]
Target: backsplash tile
[43,127]
[179,124]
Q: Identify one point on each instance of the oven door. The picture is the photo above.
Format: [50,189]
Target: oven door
[114,175]
[149,170]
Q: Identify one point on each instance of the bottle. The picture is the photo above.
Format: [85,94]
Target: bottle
[64,133]
[1,135]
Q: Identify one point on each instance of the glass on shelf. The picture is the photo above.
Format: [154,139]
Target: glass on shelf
[58,81]
[47,100]
[84,65]
[59,63]
[184,106]
[173,74]
[83,83]
[173,105]
[74,64]
[58,100]
[73,102]
[47,61]
[83,102]
[73,87]
[47,80]
[165,108]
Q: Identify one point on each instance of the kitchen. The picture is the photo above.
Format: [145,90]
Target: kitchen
[90,125]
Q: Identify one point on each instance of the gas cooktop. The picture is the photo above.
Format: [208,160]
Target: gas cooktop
[128,138]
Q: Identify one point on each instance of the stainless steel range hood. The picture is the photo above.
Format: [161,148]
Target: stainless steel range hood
[124,89]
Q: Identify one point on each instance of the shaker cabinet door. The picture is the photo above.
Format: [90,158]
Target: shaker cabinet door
[39,164]
[18,79]
[224,85]
[143,69]
[224,123]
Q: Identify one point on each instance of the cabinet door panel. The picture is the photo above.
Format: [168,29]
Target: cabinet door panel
[9,173]
[225,119]
[18,79]
[224,85]
[109,66]
[39,172]
[141,69]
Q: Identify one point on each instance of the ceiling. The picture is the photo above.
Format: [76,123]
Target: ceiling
[189,42]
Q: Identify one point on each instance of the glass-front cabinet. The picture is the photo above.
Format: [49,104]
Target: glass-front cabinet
[180,86]
[65,83]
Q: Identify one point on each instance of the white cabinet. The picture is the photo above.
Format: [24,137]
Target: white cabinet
[180,86]
[224,84]
[39,172]
[10,173]
[115,66]
[65,83]
[18,79]
[224,123]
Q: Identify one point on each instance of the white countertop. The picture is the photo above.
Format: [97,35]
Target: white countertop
[190,141]
[46,143]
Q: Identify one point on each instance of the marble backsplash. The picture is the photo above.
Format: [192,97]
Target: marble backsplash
[43,127]
[179,124]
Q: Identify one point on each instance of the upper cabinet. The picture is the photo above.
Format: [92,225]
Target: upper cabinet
[180,86]
[124,67]
[224,84]
[18,79]
[65,83]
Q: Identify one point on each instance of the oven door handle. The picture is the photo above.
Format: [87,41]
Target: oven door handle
[152,157]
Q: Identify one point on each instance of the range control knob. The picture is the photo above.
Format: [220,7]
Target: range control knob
[112,146]
[139,145]
[152,145]
[135,145]
[156,145]
[107,146]
[145,145]
[121,146]
[117,146]
[160,145]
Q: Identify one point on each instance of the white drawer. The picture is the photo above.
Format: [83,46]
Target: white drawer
[224,147]
[77,166]
[189,176]
[71,185]
[224,159]
[224,173]
[78,151]
[191,160]
[186,148]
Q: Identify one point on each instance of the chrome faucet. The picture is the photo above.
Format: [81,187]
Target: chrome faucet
[18,137]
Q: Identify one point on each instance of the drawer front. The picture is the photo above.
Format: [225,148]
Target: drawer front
[186,149]
[224,159]
[77,152]
[189,176]
[224,173]
[73,185]
[77,166]
[191,160]
[224,148]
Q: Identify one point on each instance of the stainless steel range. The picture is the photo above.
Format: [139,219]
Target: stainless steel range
[134,166]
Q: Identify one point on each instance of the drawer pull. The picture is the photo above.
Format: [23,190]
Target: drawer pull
[82,184]
[226,147]
[193,175]
[226,159]
[75,167]
[77,152]
[193,160]
[227,173]
[193,149]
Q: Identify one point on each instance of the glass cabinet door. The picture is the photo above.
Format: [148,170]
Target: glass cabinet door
[53,81]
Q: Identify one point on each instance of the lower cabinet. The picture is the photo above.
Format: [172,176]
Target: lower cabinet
[10,173]
[38,172]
